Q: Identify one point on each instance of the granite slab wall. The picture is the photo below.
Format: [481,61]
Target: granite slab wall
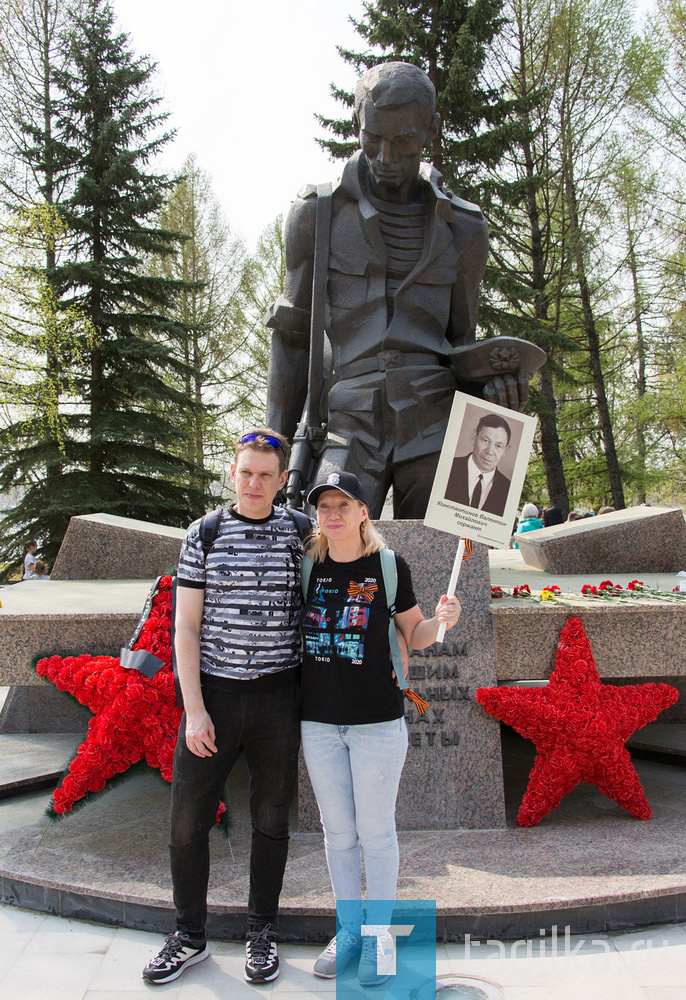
[636,540]
[106,547]
[23,637]
[453,773]
[642,640]
[43,709]
[39,618]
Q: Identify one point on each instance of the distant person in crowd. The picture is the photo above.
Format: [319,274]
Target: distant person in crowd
[40,571]
[475,480]
[574,515]
[552,516]
[530,521]
[30,560]
[606,510]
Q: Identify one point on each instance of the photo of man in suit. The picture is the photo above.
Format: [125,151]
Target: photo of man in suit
[474,479]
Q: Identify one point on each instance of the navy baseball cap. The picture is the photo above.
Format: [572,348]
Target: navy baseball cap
[346,482]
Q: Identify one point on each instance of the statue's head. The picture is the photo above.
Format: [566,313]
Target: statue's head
[395,118]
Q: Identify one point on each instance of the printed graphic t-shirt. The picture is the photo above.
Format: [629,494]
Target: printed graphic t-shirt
[347,670]
[251,616]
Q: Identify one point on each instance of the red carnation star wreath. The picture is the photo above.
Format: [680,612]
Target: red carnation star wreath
[133,700]
[580,727]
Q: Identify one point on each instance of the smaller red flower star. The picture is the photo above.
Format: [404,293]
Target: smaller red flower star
[580,727]
[135,717]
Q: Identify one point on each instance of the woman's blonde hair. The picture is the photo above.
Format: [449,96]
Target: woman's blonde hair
[372,540]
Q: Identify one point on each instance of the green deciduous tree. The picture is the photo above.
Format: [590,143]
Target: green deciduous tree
[33,182]
[211,266]
[220,337]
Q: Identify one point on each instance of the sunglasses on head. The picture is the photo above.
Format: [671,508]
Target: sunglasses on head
[271,441]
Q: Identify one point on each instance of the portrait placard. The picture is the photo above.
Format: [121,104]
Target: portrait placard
[481,471]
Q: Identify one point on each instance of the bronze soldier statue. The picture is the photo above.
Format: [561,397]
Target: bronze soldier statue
[376,327]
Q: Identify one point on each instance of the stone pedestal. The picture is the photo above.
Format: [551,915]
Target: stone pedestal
[635,540]
[107,547]
[453,774]
[42,709]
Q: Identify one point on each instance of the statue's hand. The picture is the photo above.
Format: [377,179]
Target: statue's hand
[511,391]
[499,369]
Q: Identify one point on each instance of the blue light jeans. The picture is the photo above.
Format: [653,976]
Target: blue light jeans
[355,772]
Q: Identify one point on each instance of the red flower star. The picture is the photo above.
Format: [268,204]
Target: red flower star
[579,726]
[135,717]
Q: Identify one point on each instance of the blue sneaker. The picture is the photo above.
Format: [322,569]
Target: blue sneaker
[338,954]
[377,962]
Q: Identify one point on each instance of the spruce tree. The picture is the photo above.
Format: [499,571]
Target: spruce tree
[449,40]
[117,453]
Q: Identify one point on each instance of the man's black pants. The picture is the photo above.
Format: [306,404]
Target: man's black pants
[260,718]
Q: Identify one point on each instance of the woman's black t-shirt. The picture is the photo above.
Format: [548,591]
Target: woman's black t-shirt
[347,670]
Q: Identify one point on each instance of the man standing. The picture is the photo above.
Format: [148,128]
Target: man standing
[475,479]
[238,653]
[403,264]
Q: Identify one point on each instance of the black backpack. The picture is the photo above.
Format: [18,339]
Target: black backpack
[209,526]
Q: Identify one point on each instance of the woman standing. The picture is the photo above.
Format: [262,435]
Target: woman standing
[353,732]
[530,521]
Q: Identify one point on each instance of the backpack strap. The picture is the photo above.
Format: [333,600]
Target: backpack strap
[208,530]
[302,523]
[175,666]
[305,574]
[389,569]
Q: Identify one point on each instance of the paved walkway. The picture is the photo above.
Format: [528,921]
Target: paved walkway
[48,958]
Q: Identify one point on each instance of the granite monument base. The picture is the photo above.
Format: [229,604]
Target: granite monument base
[29,709]
[453,772]
[636,540]
[587,866]
[107,547]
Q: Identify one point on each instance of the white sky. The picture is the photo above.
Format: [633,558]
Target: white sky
[243,81]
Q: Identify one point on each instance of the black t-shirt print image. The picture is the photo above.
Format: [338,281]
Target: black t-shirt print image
[339,630]
[347,669]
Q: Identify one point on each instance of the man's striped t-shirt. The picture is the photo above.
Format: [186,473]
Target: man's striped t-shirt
[251,578]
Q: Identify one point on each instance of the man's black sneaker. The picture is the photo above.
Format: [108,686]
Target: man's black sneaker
[261,957]
[178,952]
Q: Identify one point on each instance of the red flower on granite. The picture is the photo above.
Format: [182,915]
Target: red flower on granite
[589,591]
[135,717]
[553,588]
[580,727]
[497,592]
[636,585]
[522,591]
